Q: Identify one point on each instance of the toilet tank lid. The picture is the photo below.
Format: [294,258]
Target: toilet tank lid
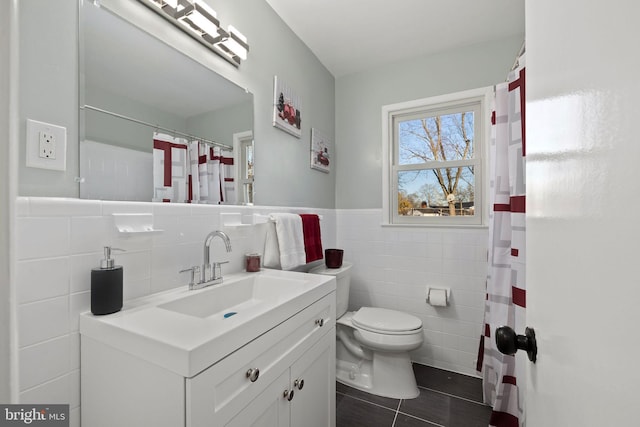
[384,320]
[323,269]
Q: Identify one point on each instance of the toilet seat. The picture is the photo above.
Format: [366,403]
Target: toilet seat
[384,321]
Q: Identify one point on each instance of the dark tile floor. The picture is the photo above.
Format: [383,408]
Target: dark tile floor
[446,399]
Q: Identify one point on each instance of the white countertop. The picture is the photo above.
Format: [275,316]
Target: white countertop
[187,344]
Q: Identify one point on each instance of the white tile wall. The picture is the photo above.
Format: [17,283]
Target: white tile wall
[394,265]
[59,241]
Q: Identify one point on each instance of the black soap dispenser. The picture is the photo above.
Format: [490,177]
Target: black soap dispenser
[106,285]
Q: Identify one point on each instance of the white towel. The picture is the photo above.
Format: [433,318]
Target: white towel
[284,244]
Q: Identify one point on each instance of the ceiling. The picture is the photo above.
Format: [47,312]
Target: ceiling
[349,36]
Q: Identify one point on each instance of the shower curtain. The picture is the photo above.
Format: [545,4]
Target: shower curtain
[170,169]
[191,172]
[503,377]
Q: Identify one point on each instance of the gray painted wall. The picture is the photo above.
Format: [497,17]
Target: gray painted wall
[112,130]
[220,125]
[49,88]
[360,97]
[49,93]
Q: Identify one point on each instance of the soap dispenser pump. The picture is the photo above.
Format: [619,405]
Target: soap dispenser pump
[106,285]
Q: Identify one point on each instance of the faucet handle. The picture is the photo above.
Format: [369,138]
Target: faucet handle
[195,272]
[216,270]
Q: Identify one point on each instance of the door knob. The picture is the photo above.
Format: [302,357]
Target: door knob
[288,394]
[508,342]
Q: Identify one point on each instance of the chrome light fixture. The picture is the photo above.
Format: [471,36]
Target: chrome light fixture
[200,21]
[236,43]
[168,6]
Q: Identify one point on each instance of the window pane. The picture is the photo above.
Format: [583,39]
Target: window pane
[437,192]
[437,138]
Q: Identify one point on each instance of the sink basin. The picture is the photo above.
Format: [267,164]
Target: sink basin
[187,331]
[218,301]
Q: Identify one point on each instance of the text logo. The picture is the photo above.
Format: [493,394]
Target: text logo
[34,415]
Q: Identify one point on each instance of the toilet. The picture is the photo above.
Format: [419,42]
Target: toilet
[373,344]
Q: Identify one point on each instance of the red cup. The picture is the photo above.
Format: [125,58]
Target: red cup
[252,263]
[333,258]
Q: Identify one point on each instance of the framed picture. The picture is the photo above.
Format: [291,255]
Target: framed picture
[287,112]
[321,151]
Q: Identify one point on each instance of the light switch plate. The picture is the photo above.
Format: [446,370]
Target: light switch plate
[50,138]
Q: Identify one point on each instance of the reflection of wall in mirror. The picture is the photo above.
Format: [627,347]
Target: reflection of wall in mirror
[115,173]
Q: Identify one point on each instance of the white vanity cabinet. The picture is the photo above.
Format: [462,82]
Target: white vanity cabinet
[283,377]
[303,395]
[297,357]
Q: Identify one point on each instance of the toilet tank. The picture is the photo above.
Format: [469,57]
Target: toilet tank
[343,281]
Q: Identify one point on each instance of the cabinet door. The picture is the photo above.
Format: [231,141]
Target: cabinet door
[314,381]
[269,409]
[218,394]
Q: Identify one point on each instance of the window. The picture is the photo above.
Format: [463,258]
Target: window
[433,159]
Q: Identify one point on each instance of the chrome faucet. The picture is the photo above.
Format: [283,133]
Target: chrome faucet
[212,271]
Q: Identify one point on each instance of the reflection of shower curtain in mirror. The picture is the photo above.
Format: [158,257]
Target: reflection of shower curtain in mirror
[170,173]
[191,172]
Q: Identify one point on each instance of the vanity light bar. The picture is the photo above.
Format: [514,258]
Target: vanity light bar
[200,21]
[236,43]
[168,6]
[199,17]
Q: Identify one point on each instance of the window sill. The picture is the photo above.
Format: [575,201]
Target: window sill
[441,226]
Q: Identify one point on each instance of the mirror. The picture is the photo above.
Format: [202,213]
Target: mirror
[132,87]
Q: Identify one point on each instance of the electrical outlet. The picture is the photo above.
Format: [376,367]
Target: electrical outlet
[46,146]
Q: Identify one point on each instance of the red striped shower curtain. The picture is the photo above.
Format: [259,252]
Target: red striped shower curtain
[503,378]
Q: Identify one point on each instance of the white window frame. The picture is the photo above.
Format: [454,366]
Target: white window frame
[482,135]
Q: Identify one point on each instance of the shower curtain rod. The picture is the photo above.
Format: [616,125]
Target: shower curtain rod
[517,61]
[171,131]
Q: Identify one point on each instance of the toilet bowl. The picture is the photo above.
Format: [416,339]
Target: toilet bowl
[373,344]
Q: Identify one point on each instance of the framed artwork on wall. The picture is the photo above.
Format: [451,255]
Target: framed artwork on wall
[287,112]
[321,151]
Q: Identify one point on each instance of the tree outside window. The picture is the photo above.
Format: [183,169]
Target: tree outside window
[436,160]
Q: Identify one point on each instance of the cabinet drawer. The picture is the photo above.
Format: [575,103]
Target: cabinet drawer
[221,391]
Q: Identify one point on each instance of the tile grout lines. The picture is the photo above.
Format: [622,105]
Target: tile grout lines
[453,395]
[398,411]
[366,401]
[395,417]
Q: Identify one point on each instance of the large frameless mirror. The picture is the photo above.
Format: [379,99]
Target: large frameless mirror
[136,90]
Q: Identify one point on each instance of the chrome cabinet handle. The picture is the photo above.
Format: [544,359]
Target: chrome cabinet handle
[288,394]
[253,374]
[320,322]
[299,383]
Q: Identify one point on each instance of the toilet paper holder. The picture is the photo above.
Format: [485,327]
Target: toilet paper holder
[441,288]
